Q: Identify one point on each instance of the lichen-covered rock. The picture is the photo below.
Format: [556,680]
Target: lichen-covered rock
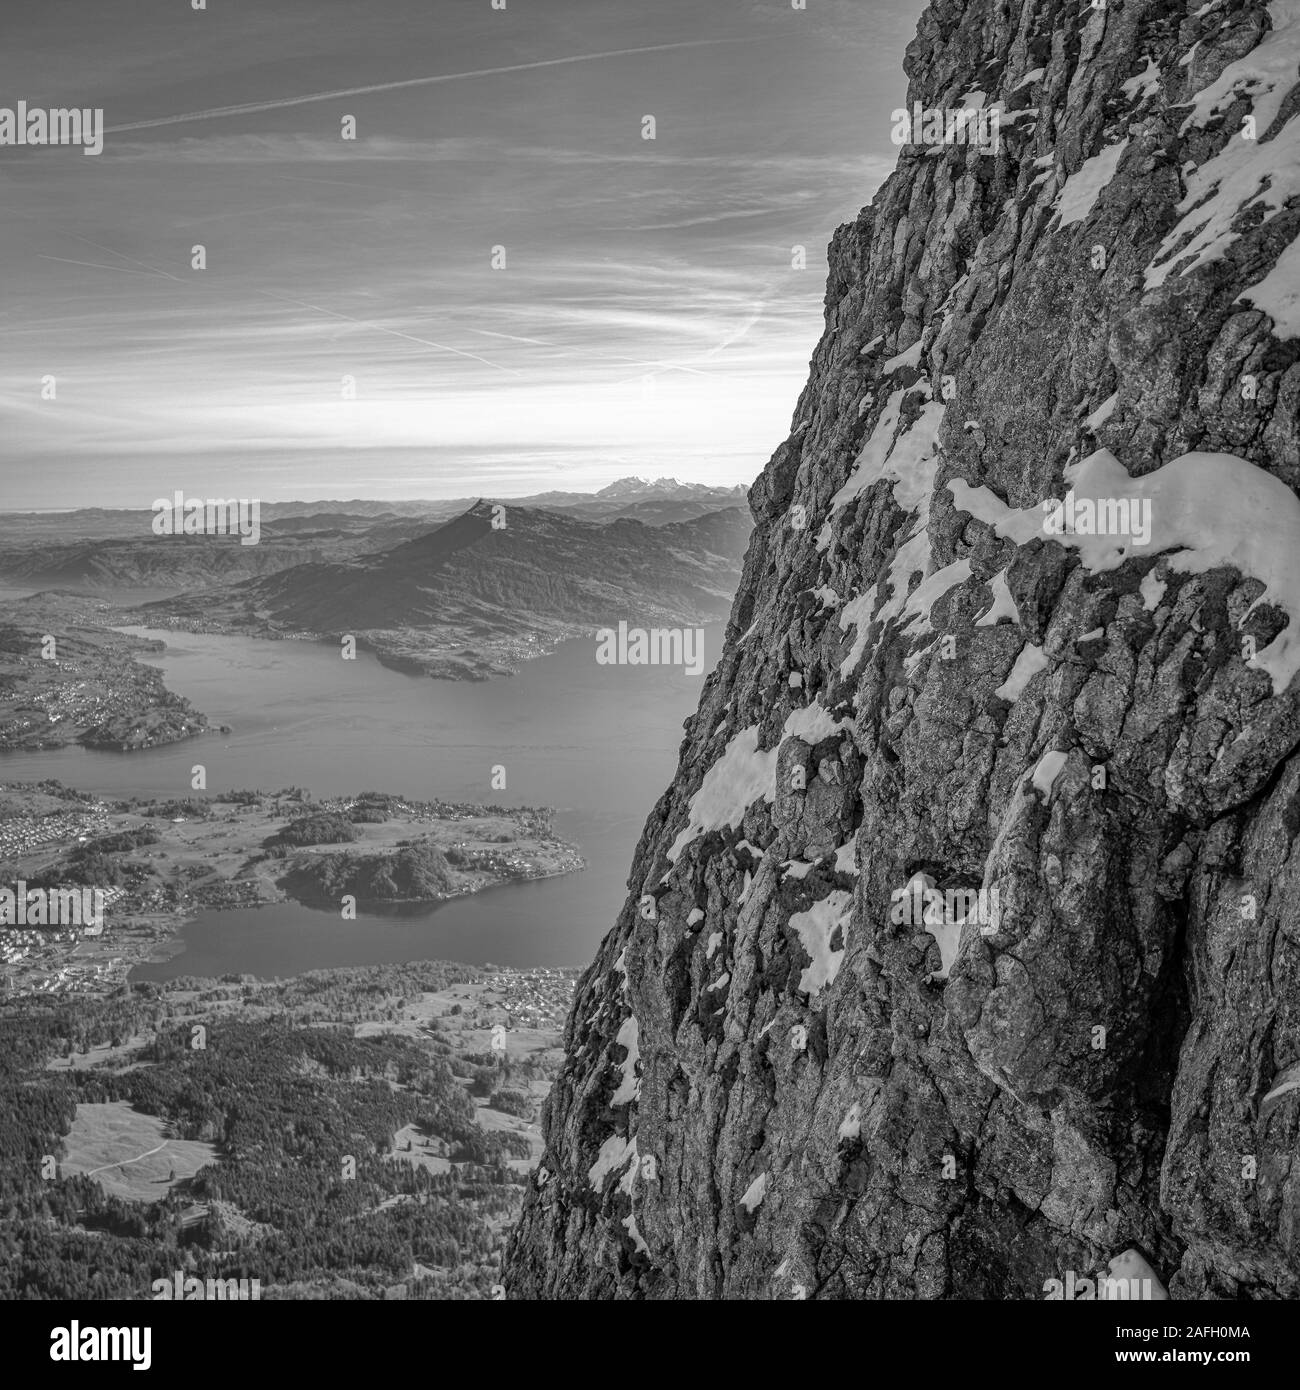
[830,1094]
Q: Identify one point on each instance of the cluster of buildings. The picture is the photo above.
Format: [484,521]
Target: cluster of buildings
[14,730]
[537,998]
[44,966]
[530,819]
[17,942]
[73,976]
[80,702]
[112,701]
[21,835]
[39,960]
[497,863]
[226,892]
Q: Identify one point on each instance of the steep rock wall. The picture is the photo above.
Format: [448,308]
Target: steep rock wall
[774,1086]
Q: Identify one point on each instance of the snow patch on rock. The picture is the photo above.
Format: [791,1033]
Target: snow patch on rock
[629,1087]
[1283,1082]
[1210,510]
[1082,189]
[1140,87]
[1152,590]
[612,1156]
[744,773]
[816,927]
[1048,768]
[1004,606]
[909,357]
[1029,663]
[1130,1265]
[1245,173]
[845,856]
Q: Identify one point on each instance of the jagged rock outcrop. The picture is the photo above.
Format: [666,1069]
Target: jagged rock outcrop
[781,1084]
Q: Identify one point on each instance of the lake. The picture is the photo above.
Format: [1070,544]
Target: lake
[599,743]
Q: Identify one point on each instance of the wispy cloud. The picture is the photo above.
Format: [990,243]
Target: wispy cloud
[96,265]
[249,108]
[648,317]
[375,327]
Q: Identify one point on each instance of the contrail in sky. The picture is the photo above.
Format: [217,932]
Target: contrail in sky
[251,107]
[392,332]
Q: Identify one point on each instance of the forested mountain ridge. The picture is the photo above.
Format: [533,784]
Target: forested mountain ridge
[496,583]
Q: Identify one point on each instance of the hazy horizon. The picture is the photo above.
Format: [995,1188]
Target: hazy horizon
[344,501]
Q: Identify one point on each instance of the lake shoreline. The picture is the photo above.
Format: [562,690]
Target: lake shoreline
[598,741]
[161,865]
[172,947]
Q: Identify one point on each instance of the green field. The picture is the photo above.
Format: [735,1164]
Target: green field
[129,1154]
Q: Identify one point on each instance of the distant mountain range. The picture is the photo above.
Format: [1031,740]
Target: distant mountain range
[472,598]
[95,549]
[87,523]
[662,487]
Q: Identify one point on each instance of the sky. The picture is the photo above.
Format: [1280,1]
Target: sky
[498,287]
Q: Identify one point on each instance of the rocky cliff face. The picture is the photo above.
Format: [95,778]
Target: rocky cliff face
[783,1080]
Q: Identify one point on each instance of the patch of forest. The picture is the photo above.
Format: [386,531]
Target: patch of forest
[308,1190]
